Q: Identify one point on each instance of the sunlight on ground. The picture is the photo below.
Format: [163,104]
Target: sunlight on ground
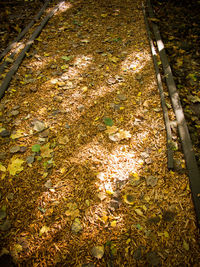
[64,6]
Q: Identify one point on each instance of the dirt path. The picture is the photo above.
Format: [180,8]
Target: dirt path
[84,178]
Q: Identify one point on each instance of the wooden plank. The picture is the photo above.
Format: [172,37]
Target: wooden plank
[25,30]
[170,152]
[193,171]
[21,56]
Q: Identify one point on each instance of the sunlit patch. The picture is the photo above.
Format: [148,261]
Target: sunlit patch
[63,6]
[135,61]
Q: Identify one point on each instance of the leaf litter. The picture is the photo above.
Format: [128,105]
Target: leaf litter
[85,194]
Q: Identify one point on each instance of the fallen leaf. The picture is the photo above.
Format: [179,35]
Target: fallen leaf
[16,134]
[113,223]
[111,129]
[15,166]
[63,140]
[46,151]
[185,245]
[36,148]
[151,181]
[124,134]
[39,126]
[76,226]
[108,121]
[2,168]
[67,58]
[18,248]
[98,252]
[139,212]
[43,230]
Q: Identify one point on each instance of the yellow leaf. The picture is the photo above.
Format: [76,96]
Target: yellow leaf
[15,166]
[113,223]
[63,170]
[104,218]
[128,241]
[109,192]
[185,245]
[166,234]
[84,89]
[154,19]
[144,208]
[18,248]
[3,176]
[66,66]
[39,39]
[113,59]
[111,129]
[17,134]
[139,212]
[104,15]
[2,168]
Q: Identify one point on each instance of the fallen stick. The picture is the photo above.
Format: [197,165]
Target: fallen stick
[170,152]
[21,56]
[193,171]
[25,30]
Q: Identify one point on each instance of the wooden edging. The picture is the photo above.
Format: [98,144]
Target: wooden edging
[21,56]
[170,152]
[21,35]
[193,171]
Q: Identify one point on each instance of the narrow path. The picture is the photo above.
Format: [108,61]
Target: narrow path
[84,178]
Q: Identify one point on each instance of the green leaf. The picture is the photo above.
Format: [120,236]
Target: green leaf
[117,39]
[108,121]
[36,148]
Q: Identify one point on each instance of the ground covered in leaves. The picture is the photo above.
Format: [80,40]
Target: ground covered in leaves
[84,178]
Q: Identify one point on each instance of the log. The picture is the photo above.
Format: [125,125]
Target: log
[193,170]
[170,152]
[25,30]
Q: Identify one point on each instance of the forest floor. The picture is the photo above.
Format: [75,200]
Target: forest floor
[84,177]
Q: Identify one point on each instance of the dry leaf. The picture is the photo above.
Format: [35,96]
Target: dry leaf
[43,230]
[111,129]
[46,151]
[98,252]
[124,134]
